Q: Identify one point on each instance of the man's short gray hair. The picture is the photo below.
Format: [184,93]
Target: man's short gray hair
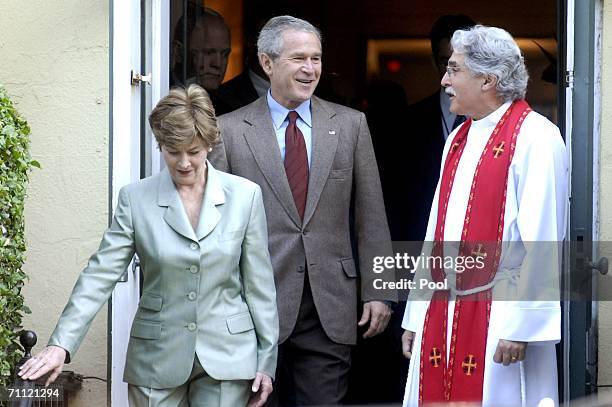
[493,51]
[210,16]
[270,39]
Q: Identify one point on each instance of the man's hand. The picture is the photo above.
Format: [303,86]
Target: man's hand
[378,313]
[407,339]
[509,352]
[50,359]
[261,388]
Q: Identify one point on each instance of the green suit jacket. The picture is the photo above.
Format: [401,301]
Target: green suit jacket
[208,292]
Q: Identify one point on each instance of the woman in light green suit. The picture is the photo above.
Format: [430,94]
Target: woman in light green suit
[206,329]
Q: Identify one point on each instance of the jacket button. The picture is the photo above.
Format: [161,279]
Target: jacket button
[191,326]
[192,296]
[194,246]
[193,269]
[300,269]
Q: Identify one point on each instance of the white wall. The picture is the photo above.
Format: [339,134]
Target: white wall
[55,59]
[605,197]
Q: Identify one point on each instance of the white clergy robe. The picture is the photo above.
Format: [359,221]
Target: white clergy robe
[535,212]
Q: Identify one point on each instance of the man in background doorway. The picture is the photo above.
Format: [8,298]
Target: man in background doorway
[431,122]
[208,45]
[209,48]
[409,162]
[252,83]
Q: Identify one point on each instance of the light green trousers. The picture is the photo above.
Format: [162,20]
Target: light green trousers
[200,390]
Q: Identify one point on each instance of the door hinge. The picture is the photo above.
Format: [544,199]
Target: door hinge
[569,79]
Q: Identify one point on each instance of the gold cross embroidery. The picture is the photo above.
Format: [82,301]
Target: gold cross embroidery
[435,357]
[497,151]
[479,252]
[469,365]
[455,146]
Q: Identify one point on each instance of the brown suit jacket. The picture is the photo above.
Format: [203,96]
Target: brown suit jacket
[345,213]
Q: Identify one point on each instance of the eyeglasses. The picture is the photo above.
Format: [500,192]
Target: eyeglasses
[452,70]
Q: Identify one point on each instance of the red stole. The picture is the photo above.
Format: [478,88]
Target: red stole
[461,379]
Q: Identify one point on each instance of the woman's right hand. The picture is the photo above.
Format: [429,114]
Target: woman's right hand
[50,359]
[261,389]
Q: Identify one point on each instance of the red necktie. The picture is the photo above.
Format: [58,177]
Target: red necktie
[296,163]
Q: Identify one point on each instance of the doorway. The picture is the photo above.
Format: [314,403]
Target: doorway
[366,43]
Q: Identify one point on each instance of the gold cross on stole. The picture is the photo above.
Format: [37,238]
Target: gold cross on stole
[479,252]
[497,151]
[435,357]
[469,365]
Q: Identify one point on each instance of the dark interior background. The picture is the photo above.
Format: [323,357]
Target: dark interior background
[351,27]
[365,40]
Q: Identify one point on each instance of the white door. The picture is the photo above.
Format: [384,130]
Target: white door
[139,47]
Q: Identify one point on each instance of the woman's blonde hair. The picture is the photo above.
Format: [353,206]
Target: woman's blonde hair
[183,116]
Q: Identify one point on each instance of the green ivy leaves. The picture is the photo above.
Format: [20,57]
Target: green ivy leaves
[15,165]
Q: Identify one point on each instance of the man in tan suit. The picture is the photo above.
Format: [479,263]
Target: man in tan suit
[315,164]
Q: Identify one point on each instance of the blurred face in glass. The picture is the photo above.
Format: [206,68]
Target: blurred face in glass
[210,47]
[295,74]
[186,164]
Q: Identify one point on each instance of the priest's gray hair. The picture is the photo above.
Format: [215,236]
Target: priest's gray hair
[493,51]
[270,40]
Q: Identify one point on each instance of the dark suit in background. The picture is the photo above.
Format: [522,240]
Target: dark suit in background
[426,141]
[235,93]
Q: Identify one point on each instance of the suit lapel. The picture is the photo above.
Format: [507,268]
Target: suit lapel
[261,139]
[213,196]
[324,145]
[175,215]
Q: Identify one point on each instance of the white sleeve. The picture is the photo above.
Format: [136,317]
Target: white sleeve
[540,180]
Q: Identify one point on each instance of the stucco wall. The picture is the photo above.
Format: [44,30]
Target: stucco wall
[55,58]
[605,195]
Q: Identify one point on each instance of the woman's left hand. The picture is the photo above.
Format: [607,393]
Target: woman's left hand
[261,388]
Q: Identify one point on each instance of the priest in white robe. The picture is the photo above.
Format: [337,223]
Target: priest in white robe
[487,80]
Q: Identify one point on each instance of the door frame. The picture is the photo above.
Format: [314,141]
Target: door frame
[583,113]
[124,169]
[138,43]
[134,154]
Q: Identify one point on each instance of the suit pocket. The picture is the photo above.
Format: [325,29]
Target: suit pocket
[240,323]
[348,265]
[150,302]
[340,174]
[145,329]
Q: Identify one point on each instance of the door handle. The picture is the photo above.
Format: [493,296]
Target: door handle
[136,264]
[601,265]
[137,78]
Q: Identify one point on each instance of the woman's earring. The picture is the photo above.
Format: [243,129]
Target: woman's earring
[209,149]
